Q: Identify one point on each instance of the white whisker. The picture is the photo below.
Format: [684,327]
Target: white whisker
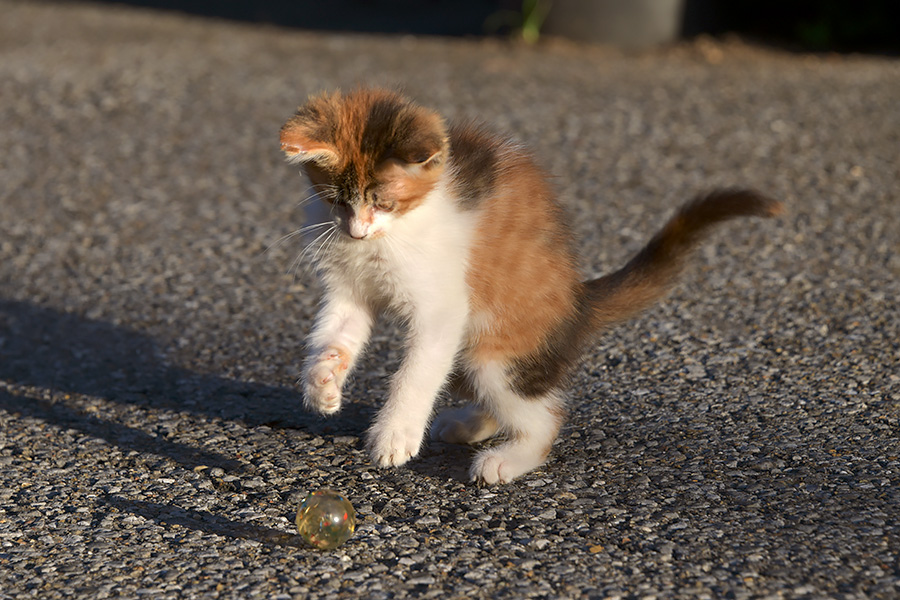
[316,245]
[325,244]
[296,232]
[316,191]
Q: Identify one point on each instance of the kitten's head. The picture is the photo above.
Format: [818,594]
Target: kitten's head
[371,153]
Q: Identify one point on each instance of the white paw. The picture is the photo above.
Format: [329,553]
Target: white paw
[393,445]
[467,425]
[504,463]
[324,380]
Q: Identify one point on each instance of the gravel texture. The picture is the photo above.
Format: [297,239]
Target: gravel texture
[738,441]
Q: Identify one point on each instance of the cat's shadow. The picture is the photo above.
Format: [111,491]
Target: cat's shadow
[169,515]
[52,364]
[438,459]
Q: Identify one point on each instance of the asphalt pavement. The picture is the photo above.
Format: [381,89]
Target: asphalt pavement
[740,440]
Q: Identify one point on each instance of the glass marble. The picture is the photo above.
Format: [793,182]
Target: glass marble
[326,519]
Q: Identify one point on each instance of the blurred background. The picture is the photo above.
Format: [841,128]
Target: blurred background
[808,25]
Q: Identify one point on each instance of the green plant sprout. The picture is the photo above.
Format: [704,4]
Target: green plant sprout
[526,24]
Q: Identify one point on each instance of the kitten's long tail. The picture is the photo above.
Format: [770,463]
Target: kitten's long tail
[649,275]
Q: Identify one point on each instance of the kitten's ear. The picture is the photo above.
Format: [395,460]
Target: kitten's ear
[305,138]
[423,163]
[407,177]
[419,139]
[300,146]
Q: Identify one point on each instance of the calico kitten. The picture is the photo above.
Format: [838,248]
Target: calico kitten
[456,232]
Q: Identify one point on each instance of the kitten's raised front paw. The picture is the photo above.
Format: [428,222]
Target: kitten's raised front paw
[324,380]
[504,463]
[392,446]
[467,425]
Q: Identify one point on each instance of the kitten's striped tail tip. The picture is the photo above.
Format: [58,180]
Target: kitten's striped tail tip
[726,203]
[768,207]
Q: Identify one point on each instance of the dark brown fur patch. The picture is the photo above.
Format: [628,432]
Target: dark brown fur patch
[475,158]
[548,367]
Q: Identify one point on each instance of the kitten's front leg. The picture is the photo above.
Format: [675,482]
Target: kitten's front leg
[399,428]
[342,330]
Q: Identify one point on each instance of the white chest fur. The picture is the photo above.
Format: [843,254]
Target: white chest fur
[418,265]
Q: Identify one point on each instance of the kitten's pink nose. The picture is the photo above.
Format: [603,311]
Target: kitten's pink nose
[357,230]
[360,225]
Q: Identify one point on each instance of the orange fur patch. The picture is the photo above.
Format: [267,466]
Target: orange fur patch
[406,189]
[522,275]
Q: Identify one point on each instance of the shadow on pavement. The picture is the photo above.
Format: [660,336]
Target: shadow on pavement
[123,436]
[54,356]
[206,522]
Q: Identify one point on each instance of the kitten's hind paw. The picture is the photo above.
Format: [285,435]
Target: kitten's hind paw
[504,463]
[467,425]
[323,382]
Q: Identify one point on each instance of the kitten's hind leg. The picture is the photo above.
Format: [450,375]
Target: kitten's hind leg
[467,425]
[530,440]
[531,424]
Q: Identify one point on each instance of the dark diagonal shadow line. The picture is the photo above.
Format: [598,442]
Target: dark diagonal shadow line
[58,353]
[114,433]
[204,521]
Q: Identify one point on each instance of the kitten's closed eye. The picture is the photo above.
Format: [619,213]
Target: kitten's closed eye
[383,203]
